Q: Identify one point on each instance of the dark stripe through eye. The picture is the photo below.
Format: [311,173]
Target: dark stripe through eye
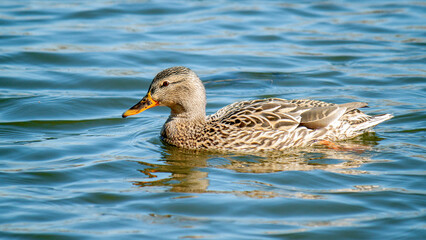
[167,83]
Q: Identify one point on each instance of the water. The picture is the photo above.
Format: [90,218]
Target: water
[72,168]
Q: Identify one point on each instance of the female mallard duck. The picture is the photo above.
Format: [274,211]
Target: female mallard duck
[248,126]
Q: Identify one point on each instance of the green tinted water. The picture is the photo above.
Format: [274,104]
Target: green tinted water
[72,168]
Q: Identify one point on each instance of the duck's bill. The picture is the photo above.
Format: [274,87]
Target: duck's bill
[144,104]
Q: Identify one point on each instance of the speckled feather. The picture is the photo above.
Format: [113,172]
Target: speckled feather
[252,126]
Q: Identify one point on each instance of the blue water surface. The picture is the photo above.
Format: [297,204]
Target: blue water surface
[72,168]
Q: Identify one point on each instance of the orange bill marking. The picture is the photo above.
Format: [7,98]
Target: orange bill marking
[146,103]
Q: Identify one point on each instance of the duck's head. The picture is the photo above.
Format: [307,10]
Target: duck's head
[178,88]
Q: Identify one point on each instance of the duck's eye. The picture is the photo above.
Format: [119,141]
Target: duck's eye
[165,84]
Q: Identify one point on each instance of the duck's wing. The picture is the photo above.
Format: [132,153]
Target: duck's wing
[322,114]
[320,117]
[266,114]
[280,114]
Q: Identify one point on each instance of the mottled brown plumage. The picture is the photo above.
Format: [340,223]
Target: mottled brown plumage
[248,126]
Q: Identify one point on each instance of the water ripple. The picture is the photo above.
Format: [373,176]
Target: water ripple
[72,168]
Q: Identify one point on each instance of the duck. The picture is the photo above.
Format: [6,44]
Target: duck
[261,125]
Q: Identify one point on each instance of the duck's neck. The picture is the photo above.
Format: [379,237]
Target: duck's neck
[192,111]
[187,119]
[182,118]
[183,130]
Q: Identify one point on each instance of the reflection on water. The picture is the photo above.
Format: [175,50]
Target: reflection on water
[182,170]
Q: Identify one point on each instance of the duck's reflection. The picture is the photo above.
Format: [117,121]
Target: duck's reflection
[187,171]
[183,167]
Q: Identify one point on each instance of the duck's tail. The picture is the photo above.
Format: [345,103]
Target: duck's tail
[367,125]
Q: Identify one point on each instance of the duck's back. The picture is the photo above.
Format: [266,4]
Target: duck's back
[276,124]
[286,115]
